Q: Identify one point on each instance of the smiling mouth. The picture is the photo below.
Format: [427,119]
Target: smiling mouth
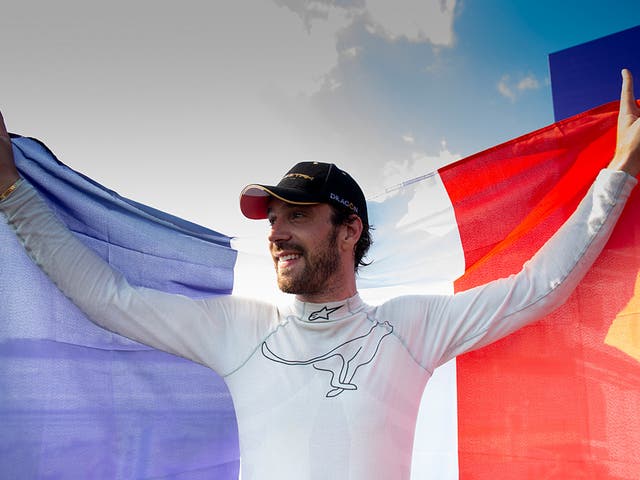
[287,260]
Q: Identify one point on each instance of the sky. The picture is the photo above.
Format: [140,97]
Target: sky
[180,104]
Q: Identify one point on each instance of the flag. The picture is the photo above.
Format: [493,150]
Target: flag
[557,399]
[79,402]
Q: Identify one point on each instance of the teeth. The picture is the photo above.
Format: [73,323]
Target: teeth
[285,258]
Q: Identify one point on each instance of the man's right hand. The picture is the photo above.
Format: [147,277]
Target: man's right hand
[8,171]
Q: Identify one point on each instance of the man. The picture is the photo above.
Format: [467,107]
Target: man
[327,387]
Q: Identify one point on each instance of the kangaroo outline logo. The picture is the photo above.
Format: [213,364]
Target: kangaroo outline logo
[343,361]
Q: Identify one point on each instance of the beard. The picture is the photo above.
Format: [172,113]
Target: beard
[319,266]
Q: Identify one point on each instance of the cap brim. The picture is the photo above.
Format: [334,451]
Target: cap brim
[254,199]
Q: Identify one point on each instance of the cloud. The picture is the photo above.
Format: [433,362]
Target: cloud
[304,56]
[246,82]
[512,89]
[351,52]
[419,164]
[528,83]
[415,20]
[408,138]
[505,90]
[294,56]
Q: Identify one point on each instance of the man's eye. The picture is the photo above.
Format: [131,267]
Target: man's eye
[297,215]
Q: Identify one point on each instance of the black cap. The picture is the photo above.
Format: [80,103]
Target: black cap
[307,183]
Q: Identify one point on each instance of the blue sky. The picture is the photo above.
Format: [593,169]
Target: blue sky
[179,104]
[491,83]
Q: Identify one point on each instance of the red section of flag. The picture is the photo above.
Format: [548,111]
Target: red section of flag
[552,400]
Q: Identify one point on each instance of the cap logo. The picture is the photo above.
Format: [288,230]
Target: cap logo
[344,202]
[298,175]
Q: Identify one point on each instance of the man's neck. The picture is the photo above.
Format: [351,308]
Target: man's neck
[329,296]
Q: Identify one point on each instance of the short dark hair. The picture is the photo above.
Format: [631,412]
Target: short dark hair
[342,216]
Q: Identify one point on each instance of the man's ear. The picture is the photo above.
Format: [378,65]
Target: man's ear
[352,231]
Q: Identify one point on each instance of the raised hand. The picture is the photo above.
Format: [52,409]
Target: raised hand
[8,171]
[627,156]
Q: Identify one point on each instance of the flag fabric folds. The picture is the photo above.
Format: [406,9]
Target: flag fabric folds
[557,399]
[77,401]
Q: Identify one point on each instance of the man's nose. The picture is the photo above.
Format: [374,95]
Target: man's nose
[279,232]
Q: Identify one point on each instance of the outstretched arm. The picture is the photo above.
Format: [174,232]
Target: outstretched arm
[447,326]
[547,280]
[200,330]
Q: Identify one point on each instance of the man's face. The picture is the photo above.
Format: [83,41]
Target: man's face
[303,244]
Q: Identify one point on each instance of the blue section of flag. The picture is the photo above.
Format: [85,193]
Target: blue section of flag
[78,401]
[588,75]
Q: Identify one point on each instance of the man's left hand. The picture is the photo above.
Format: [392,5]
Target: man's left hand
[627,156]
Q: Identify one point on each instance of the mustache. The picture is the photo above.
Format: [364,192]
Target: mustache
[287,246]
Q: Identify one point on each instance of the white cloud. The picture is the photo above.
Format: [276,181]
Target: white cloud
[419,164]
[201,85]
[415,20]
[351,52]
[408,138]
[311,11]
[299,45]
[528,83]
[294,56]
[512,89]
[504,88]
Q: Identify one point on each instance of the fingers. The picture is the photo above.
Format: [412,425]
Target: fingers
[627,99]
[8,172]
[3,128]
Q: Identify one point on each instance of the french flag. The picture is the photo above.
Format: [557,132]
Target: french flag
[557,399]
[78,401]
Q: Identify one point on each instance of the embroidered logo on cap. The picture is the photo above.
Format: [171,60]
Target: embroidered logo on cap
[298,175]
[344,202]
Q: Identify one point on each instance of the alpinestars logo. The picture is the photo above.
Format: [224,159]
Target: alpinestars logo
[343,361]
[323,313]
